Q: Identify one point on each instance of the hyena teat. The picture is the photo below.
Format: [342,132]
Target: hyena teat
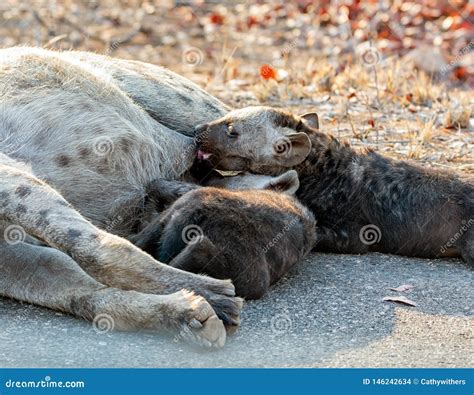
[362,200]
[252,237]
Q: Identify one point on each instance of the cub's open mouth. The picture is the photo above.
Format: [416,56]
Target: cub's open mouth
[201,155]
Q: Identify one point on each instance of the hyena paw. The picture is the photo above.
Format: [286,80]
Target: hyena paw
[228,310]
[196,320]
[221,295]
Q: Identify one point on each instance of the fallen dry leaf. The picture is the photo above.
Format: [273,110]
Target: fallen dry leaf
[267,72]
[403,288]
[216,18]
[399,299]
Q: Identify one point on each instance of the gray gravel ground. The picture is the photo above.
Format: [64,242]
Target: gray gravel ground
[328,311]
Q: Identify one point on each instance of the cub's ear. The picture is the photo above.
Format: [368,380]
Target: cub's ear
[291,150]
[286,183]
[200,130]
[311,120]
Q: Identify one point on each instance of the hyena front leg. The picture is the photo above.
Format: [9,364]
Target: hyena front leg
[197,256]
[49,278]
[111,260]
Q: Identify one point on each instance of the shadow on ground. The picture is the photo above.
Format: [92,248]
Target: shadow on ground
[328,311]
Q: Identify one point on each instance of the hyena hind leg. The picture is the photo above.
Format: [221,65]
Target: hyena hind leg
[43,213]
[47,277]
[347,239]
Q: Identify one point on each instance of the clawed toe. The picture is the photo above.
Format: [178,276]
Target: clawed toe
[222,287]
[212,334]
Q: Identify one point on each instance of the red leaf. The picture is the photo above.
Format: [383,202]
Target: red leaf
[251,21]
[216,18]
[267,72]
[461,73]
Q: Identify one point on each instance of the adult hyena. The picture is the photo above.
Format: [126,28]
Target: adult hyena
[76,155]
[362,200]
[83,136]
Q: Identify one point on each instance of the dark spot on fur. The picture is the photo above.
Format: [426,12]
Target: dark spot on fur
[23,191]
[73,234]
[185,99]
[63,160]
[125,144]
[43,213]
[86,106]
[21,209]
[4,199]
[213,108]
[84,152]
[103,166]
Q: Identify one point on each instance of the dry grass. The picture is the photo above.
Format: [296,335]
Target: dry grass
[385,101]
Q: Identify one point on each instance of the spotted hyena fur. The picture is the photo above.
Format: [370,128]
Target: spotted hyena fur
[362,200]
[99,130]
[82,139]
[252,237]
[77,153]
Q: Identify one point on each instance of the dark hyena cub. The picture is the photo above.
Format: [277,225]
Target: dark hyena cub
[362,200]
[252,237]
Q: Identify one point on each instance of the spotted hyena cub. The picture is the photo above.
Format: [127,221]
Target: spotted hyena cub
[362,200]
[252,237]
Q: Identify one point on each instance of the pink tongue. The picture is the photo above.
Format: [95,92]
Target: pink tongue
[203,155]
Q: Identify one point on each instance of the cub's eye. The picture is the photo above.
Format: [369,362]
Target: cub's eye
[231,132]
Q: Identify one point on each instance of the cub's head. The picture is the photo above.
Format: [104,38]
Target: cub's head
[256,137]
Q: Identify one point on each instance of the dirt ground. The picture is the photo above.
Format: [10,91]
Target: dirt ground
[395,76]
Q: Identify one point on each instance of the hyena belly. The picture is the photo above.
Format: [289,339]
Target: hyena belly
[82,135]
[251,237]
[169,98]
